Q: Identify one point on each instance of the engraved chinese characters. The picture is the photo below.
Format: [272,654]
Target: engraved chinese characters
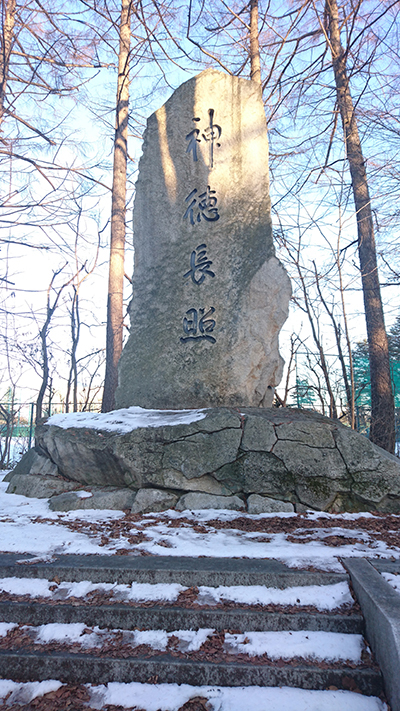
[209,295]
[201,206]
[211,134]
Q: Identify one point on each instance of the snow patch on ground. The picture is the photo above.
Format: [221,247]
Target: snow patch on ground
[27,526]
[25,693]
[79,633]
[323,597]
[5,627]
[127,419]
[58,632]
[170,697]
[138,592]
[328,646]
[393,580]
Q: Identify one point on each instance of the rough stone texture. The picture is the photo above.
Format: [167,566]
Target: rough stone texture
[195,500]
[119,499]
[207,253]
[34,462]
[153,500]
[296,457]
[262,504]
[39,487]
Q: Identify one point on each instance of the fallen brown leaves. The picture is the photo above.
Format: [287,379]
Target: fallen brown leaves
[130,530]
[72,696]
[197,703]
[212,650]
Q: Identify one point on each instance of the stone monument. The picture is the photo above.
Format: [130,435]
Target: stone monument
[209,298]
[209,295]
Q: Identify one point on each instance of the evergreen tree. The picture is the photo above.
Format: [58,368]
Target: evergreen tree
[361,368]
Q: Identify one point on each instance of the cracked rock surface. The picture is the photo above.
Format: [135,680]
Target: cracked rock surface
[259,460]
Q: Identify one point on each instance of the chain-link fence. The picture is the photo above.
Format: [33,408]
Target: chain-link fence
[17,427]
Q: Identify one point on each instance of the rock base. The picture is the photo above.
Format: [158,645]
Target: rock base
[255,460]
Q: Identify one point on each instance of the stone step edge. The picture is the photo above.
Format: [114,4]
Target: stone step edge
[167,569]
[380,605]
[119,616]
[82,668]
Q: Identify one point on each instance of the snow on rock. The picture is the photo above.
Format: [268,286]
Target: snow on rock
[127,419]
[329,646]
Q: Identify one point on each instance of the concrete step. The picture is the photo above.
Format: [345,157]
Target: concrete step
[131,617]
[165,569]
[383,565]
[22,659]
[67,667]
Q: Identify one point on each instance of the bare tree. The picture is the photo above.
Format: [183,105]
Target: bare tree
[255,66]
[6,39]
[382,402]
[118,214]
[51,306]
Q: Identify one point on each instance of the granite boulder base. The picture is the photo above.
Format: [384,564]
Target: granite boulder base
[209,295]
[255,460]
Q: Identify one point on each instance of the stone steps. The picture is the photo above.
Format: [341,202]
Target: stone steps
[82,668]
[29,661]
[131,617]
[165,569]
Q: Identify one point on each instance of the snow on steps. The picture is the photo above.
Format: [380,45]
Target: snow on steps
[222,643]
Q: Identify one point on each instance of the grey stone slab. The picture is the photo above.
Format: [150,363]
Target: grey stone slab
[209,295]
[380,605]
[306,460]
[128,617]
[39,487]
[202,453]
[153,500]
[197,501]
[172,479]
[264,473]
[263,504]
[82,455]
[384,565]
[258,434]
[34,462]
[165,569]
[311,433]
[233,451]
[83,668]
[106,498]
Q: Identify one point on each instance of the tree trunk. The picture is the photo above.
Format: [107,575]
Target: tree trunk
[382,431]
[118,213]
[255,67]
[7,32]
[45,365]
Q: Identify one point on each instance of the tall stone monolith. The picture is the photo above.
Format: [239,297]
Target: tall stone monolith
[209,295]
